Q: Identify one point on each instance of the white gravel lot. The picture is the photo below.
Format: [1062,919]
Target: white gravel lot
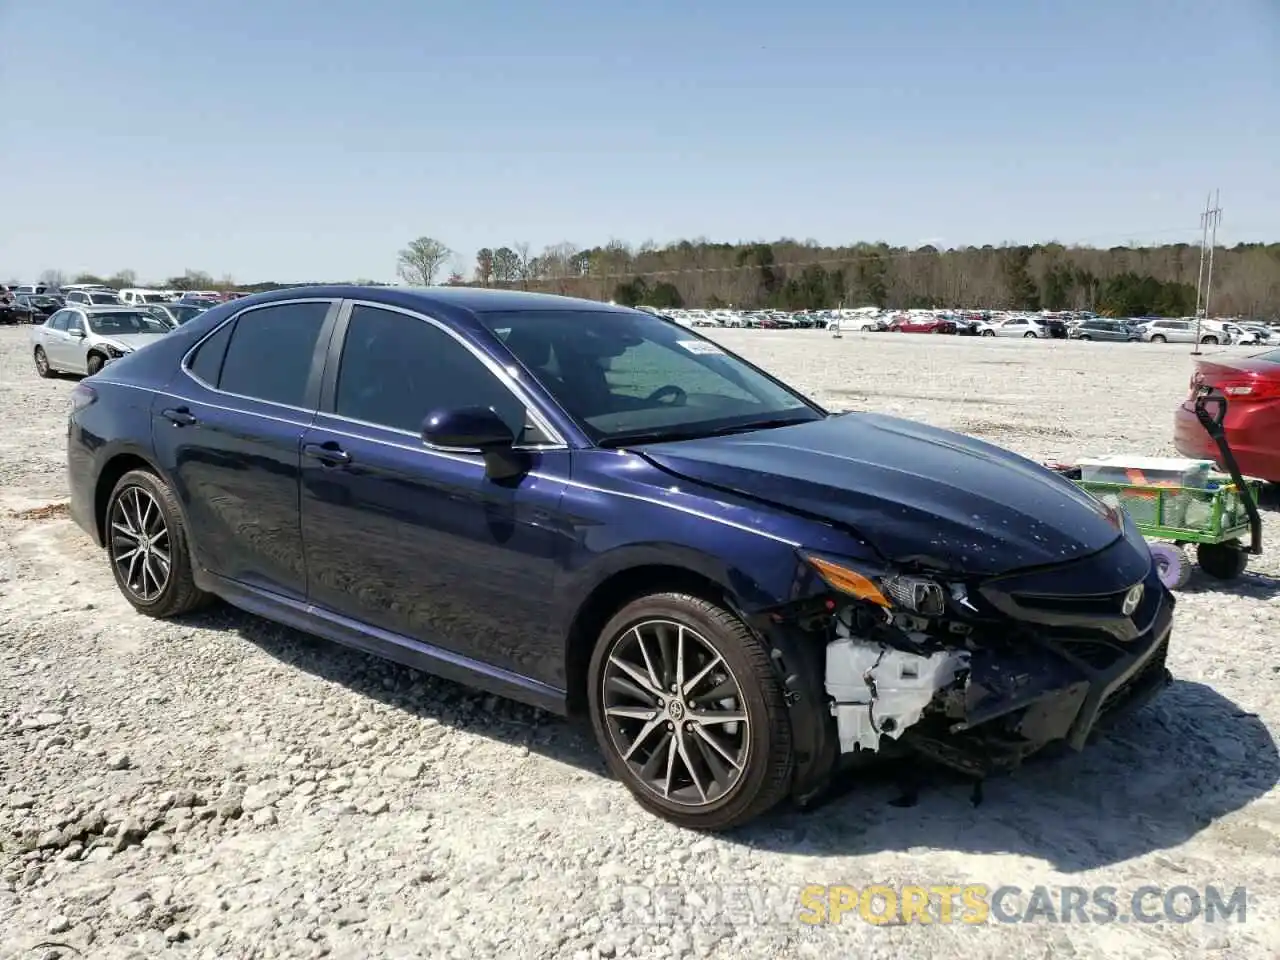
[223,788]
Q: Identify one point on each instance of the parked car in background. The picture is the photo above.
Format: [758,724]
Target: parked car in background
[83,340]
[1240,336]
[1183,331]
[1251,386]
[1055,328]
[42,305]
[922,323]
[14,310]
[94,298]
[593,509]
[1019,327]
[1102,328]
[174,313]
[135,297]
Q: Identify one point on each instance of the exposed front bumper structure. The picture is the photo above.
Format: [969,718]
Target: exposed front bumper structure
[1044,669]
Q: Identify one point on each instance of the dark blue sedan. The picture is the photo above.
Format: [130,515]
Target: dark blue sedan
[591,508]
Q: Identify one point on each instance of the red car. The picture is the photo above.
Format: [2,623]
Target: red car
[1252,388]
[922,325]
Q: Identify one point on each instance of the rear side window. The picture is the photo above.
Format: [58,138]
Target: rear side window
[270,353]
[207,362]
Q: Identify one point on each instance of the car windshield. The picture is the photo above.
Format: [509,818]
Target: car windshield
[125,323]
[103,298]
[633,377]
[185,312]
[1271,356]
[154,298]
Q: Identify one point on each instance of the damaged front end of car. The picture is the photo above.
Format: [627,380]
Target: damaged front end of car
[975,674]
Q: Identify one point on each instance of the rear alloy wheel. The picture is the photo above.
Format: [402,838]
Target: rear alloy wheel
[1029,335]
[988,333]
[42,364]
[1159,338]
[689,712]
[147,544]
[1212,341]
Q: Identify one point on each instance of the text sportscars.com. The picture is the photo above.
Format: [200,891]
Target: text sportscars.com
[921,904]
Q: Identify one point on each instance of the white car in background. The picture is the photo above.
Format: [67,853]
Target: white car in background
[1184,331]
[1018,327]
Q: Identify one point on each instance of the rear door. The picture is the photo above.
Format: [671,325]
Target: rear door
[228,430]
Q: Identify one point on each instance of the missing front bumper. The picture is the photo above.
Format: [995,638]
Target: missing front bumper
[987,710]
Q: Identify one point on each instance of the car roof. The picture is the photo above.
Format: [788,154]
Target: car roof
[473,299]
[108,308]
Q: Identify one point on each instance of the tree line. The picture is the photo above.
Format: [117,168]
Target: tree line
[795,275]
[804,275]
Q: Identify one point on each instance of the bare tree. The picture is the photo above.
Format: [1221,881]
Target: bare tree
[421,260]
[523,259]
[53,278]
[124,279]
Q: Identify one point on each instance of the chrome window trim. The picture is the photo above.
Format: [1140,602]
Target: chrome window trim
[513,386]
[422,448]
[185,365]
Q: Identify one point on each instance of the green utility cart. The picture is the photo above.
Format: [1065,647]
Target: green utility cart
[1217,516]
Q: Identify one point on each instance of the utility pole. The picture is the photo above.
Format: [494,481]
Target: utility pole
[1208,221]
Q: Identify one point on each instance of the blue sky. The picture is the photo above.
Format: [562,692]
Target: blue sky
[267,139]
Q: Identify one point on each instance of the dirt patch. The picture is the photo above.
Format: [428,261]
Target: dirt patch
[50,511]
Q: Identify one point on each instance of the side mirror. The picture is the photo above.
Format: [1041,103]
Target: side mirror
[468,428]
[478,428]
[77,333]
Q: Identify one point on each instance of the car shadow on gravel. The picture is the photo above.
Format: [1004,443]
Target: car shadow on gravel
[1160,777]
[1163,775]
[451,704]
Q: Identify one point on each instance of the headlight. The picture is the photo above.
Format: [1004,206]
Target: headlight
[894,591]
[113,351]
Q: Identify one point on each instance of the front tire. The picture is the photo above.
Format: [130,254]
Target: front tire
[95,363]
[1211,341]
[1029,335]
[689,712]
[147,547]
[1159,338]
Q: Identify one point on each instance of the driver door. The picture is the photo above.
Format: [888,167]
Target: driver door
[419,542]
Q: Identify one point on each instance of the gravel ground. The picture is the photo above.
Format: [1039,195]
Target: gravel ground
[222,788]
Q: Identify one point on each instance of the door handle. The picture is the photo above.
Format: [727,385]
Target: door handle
[328,453]
[179,416]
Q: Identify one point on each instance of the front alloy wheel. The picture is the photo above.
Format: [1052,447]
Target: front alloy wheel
[689,712]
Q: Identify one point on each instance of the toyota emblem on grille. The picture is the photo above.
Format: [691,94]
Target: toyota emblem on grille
[1131,599]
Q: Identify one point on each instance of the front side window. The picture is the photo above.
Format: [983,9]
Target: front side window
[75,321]
[270,353]
[397,370]
[59,320]
[633,377]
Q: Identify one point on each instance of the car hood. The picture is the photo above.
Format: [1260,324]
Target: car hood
[918,494]
[131,341]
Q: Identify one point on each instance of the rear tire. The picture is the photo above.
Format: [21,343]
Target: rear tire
[1211,341]
[1222,561]
[672,748]
[147,547]
[1029,335]
[987,333]
[42,364]
[1159,338]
